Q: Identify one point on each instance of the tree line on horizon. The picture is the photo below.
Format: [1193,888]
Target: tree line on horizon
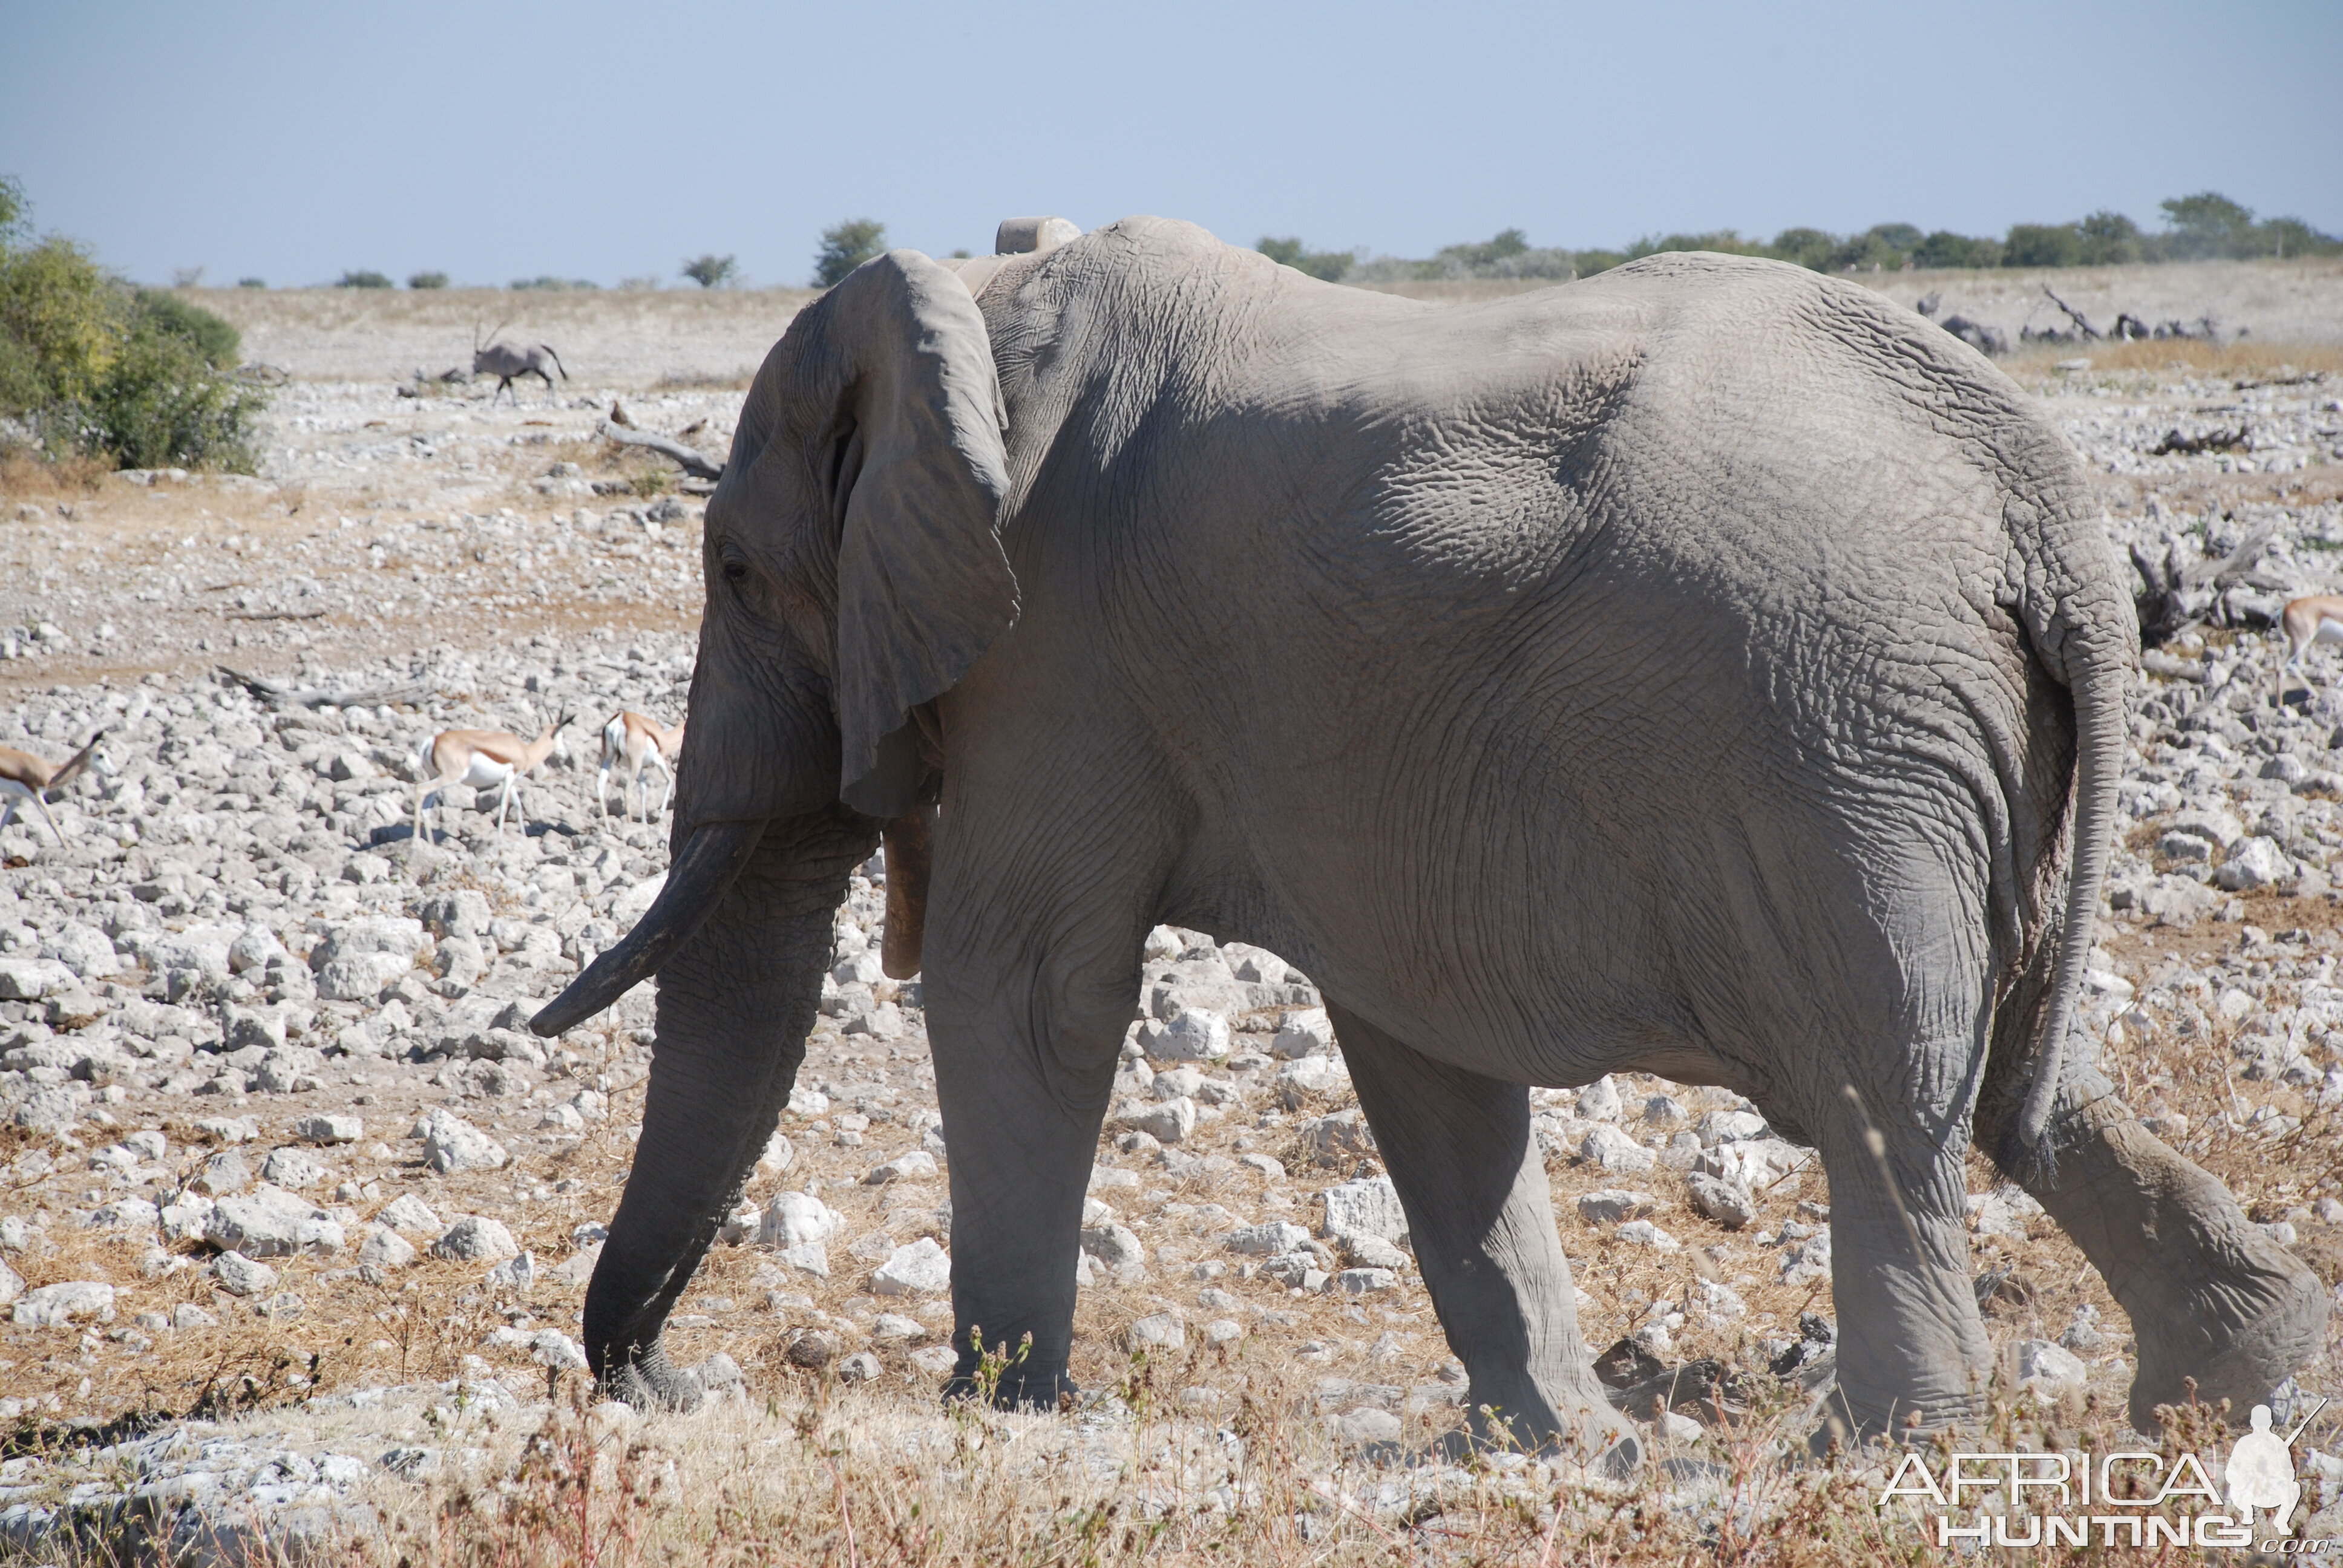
[2203,226]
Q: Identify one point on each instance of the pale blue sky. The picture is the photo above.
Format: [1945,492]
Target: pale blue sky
[599,140]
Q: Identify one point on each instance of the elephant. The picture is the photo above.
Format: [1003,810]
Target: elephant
[1704,669]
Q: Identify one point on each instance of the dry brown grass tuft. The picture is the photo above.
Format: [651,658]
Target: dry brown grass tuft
[23,475]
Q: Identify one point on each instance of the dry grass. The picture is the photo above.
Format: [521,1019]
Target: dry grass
[2249,361]
[23,475]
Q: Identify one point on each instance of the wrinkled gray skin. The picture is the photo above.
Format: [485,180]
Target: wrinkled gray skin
[1703,670]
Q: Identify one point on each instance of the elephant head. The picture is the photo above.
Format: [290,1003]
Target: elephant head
[854,572]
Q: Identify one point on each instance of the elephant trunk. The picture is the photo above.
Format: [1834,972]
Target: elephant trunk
[737,999]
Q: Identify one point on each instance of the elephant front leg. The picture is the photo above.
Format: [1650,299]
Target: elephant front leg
[1022,1126]
[1465,1162]
[1911,1350]
[2210,1296]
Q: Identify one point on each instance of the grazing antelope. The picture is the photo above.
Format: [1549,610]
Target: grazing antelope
[25,777]
[481,759]
[2318,617]
[631,743]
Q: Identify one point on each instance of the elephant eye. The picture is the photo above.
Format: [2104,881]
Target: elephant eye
[736,571]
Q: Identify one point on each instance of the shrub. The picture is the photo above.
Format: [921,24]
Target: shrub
[1946,249]
[90,365]
[2208,223]
[1328,265]
[252,283]
[2284,236]
[2042,245]
[171,396]
[219,343]
[844,248]
[557,284]
[2108,240]
[426,280]
[711,271]
[362,280]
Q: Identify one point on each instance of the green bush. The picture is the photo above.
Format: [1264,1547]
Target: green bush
[1328,265]
[220,344]
[90,364]
[168,401]
[2108,240]
[252,283]
[712,271]
[557,284]
[1946,249]
[2042,245]
[362,280]
[844,248]
[428,280]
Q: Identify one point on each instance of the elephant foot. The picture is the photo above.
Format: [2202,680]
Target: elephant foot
[1032,1391]
[1598,1439]
[2238,1336]
[653,1384]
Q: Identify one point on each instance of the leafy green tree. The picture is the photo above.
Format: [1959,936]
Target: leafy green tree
[1946,249]
[362,280]
[1328,265]
[2108,240]
[426,280]
[252,283]
[1507,243]
[845,246]
[2208,224]
[2284,236]
[2042,245]
[711,271]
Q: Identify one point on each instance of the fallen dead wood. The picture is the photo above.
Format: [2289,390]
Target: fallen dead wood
[276,614]
[277,696]
[690,459]
[2192,445]
[2073,315]
[2174,599]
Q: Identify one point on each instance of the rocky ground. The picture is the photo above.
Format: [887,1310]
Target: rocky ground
[296,1219]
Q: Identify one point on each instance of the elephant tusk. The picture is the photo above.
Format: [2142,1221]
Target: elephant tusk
[712,859]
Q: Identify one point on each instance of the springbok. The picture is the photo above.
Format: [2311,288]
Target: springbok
[25,777]
[482,759]
[631,743]
[2317,618]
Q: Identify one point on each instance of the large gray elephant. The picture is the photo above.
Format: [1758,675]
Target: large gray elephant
[1707,669]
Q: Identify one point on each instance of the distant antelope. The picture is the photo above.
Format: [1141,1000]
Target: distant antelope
[508,364]
[2315,619]
[25,777]
[482,759]
[631,743]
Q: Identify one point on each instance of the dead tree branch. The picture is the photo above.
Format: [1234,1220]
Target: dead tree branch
[689,459]
[288,697]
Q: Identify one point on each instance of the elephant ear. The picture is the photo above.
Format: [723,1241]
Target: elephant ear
[923,587]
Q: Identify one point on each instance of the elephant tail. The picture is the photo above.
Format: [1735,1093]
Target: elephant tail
[2095,656]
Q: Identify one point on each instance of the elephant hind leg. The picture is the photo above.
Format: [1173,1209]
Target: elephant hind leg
[2211,1297]
[1470,1177]
[1911,1350]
